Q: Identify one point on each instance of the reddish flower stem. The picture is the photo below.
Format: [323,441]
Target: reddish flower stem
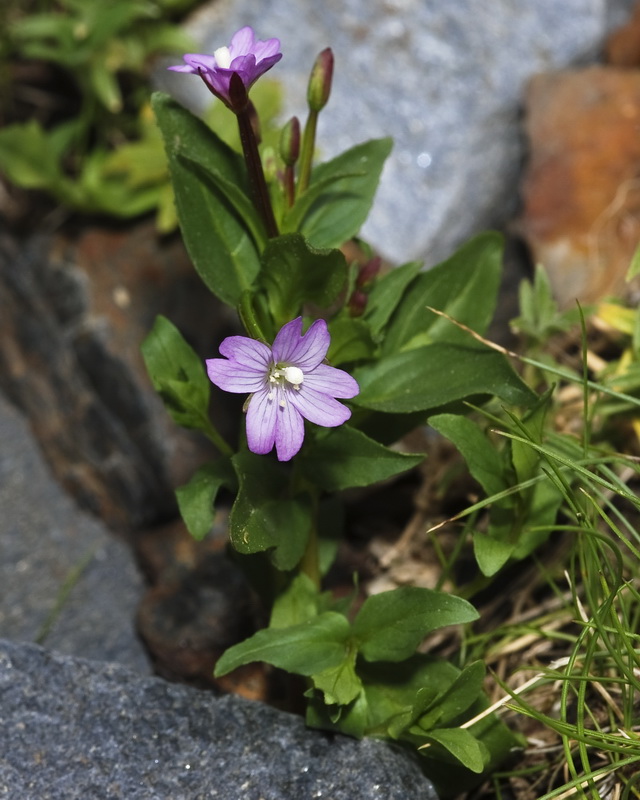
[257,182]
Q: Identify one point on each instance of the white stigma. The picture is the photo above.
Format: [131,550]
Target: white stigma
[294,375]
[223,57]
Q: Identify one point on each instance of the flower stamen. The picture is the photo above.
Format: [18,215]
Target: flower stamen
[223,57]
[293,375]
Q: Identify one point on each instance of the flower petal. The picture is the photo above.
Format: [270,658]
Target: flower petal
[305,352]
[332,381]
[183,68]
[233,377]
[261,422]
[242,42]
[267,49]
[289,430]
[246,351]
[245,66]
[318,407]
[200,61]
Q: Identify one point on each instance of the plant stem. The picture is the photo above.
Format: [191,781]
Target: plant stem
[289,185]
[257,181]
[215,437]
[310,563]
[306,151]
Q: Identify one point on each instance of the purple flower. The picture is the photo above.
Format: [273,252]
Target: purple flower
[288,382]
[245,57]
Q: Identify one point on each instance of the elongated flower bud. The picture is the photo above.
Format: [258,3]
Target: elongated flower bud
[238,96]
[319,87]
[290,142]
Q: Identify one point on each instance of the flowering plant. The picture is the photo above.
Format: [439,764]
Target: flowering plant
[320,327]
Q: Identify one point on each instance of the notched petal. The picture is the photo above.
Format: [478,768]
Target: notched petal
[333,381]
[307,351]
[233,377]
[249,352]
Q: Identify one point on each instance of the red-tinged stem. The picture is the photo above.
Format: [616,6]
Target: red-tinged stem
[257,182]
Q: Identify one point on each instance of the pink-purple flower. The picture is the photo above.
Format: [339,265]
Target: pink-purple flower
[244,57]
[288,383]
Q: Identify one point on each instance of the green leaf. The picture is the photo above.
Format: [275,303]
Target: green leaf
[350,719]
[177,374]
[264,515]
[298,602]
[434,375]
[342,458]
[393,689]
[391,625]
[342,190]
[26,157]
[465,287]
[210,225]
[483,460]
[539,314]
[310,648]
[462,745]
[386,293]
[524,458]
[235,196]
[457,698]
[196,498]
[340,683]
[491,552]
[542,511]
[350,341]
[294,273]
[105,86]
[101,190]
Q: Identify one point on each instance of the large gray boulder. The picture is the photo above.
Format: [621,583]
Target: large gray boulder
[445,80]
[72,729]
[64,578]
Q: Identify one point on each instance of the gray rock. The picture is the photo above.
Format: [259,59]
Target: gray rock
[72,729]
[73,313]
[64,578]
[444,79]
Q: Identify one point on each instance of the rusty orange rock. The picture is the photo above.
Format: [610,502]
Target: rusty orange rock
[622,48]
[581,190]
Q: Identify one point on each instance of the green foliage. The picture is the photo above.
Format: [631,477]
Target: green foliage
[339,197]
[266,514]
[196,499]
[202,167]
[102,48]
[539,316]
[464,286]
[390,627]
[435,375]
[386,295]
[177,374]
[367,679]
[295,273]
[344,457]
